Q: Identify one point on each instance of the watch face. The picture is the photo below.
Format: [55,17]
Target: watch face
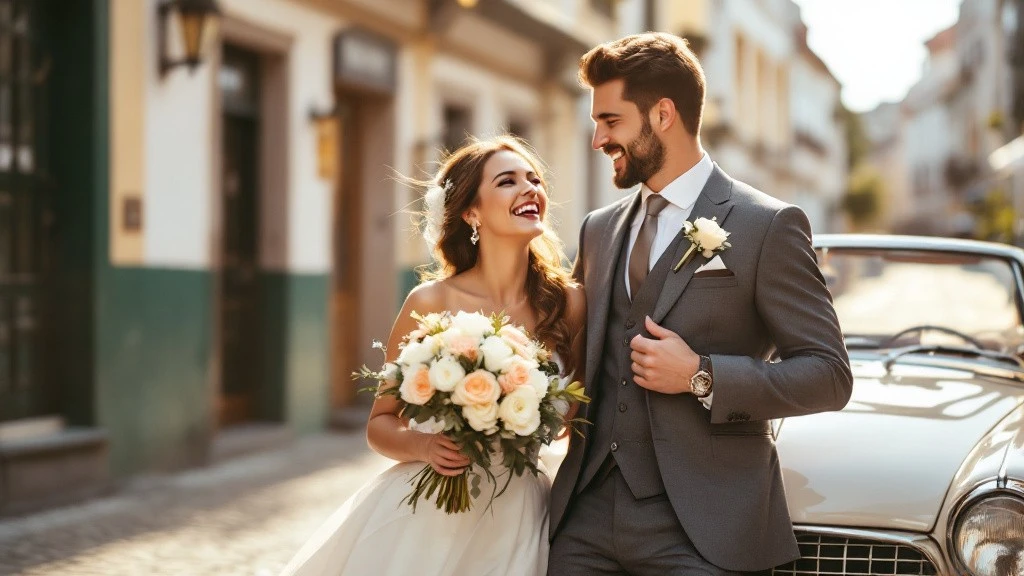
[701,384]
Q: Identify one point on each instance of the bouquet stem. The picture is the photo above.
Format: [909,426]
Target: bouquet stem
[452,491]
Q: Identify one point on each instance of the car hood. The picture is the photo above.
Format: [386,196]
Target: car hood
[888,458]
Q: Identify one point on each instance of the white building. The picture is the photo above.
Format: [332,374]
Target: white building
[884,128]
[981,108]
[929,141]
[959,113]
[819,158]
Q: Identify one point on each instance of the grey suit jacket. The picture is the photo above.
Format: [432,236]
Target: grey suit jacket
[720,467]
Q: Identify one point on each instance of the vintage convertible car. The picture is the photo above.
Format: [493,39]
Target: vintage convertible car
[923,471]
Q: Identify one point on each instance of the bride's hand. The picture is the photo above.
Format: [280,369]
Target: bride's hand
[444,456]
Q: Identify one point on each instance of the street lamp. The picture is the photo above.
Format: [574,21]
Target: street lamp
[194,18]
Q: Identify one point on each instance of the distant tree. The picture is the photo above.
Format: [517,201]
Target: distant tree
[994,216]
[862,201]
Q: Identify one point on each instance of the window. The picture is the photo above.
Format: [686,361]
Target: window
[458,125]
[519,127]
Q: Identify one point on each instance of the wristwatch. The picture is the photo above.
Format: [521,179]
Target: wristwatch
[701,382]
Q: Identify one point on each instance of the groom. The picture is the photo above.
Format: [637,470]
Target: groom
[678,473]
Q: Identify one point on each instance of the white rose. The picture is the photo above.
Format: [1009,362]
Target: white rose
[481,417]
[446,373]
[389,371]
[447,335]
[520,411]
[419,352]
[561,406]
[472,324]
[496,353]
[540,382]
[709,235]
[416,387]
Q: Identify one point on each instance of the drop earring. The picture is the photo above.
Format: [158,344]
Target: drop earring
[475,236]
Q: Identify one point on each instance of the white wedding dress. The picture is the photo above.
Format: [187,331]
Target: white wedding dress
[375,533]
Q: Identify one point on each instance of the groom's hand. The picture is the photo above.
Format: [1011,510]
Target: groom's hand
[663,363]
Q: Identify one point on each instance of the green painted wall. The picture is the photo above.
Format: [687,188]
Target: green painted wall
[306,347]
[296,340]
[153,357]
[274,340]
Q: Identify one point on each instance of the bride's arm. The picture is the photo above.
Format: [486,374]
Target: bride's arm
[389,434]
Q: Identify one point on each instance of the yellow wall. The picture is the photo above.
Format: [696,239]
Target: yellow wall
[127,123]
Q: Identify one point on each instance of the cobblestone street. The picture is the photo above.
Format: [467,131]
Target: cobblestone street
[246,516]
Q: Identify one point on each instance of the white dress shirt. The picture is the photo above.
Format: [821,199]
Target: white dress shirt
[681,194]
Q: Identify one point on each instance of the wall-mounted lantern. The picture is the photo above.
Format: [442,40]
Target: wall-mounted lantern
[194,19]
[328,141]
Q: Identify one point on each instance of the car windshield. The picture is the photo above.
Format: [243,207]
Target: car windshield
[923,297]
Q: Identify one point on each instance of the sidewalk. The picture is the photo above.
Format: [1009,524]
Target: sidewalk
[246,516]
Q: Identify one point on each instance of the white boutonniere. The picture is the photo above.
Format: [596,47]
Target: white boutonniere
[706,237]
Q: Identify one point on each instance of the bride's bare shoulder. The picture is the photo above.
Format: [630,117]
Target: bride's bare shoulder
[427,297]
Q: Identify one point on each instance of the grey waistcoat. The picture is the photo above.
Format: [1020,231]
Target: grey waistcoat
[622,424]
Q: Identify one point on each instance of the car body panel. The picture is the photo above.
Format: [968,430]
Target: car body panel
[885,467]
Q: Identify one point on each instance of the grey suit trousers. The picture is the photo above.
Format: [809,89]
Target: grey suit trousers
[609,530]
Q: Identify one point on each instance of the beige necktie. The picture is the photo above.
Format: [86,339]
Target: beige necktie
[640,256]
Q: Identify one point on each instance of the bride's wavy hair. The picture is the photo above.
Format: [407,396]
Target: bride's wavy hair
[454,190]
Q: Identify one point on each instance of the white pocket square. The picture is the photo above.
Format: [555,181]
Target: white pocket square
[715,264]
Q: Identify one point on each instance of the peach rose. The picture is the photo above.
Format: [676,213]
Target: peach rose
[517,373]
[464,345]
[518,341]
[416,387]
[478,387]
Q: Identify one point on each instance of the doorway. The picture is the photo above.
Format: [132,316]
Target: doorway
[242,376]
[346,235]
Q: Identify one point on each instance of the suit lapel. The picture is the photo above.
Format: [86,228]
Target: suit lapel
[605,262]
[713,202]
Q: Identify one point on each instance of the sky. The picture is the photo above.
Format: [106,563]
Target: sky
[875,48]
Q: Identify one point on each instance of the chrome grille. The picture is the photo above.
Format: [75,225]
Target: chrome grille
[841,556]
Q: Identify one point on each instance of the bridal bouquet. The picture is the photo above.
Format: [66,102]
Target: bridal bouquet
[486,385]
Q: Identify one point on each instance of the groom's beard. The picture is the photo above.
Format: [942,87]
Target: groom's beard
[645,155]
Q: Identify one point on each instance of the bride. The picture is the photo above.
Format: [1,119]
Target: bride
[486,221]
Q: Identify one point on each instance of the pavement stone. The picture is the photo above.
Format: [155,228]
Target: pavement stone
[242,517]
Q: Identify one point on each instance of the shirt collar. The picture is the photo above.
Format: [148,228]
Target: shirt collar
[684,190]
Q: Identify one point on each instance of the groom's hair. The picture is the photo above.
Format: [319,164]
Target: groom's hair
[652,65]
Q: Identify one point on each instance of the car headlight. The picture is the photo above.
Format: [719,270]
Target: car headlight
[988,537]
